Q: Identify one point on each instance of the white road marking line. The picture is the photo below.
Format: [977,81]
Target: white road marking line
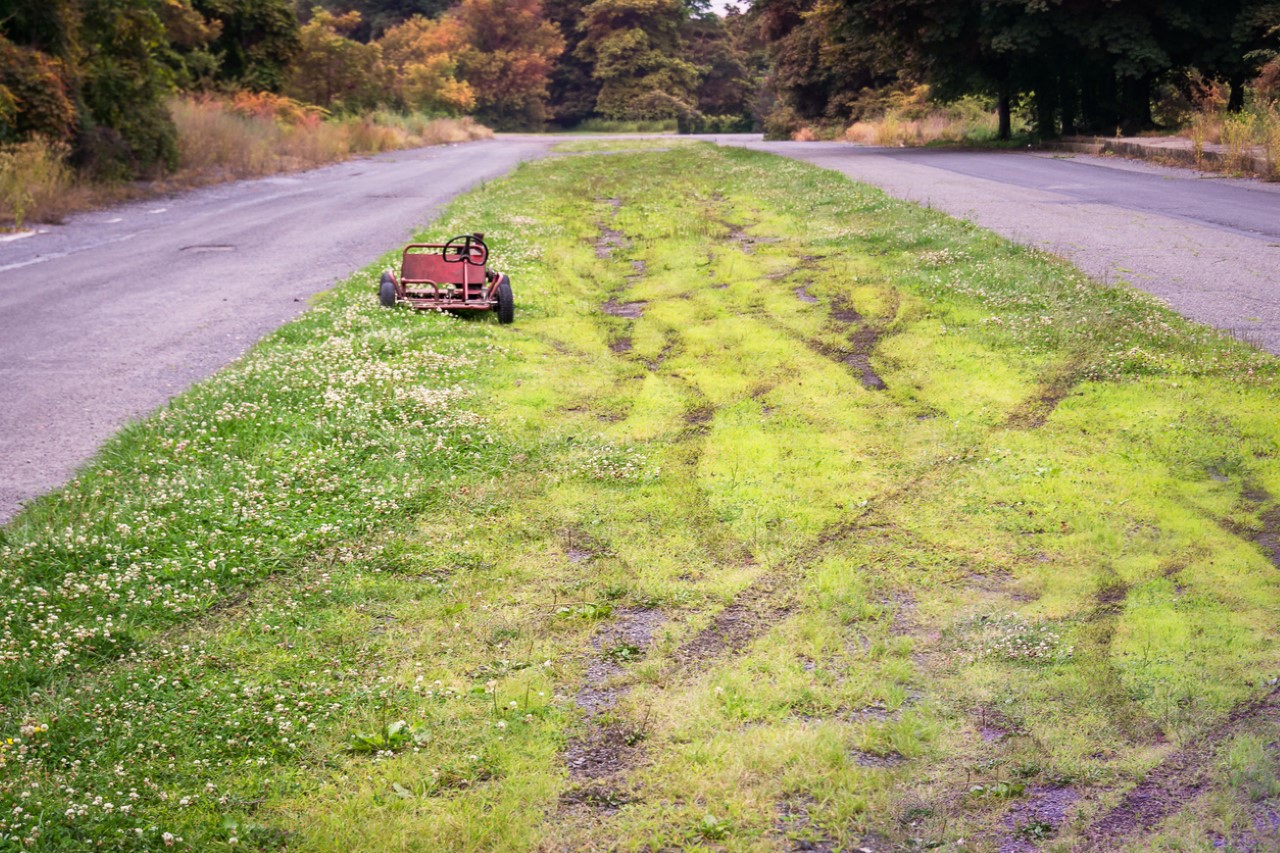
[53,256]
[21,235]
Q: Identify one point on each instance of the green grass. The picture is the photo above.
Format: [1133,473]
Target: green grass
[344,595]
[599,146]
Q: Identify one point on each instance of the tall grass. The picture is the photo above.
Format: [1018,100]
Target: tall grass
[1248,141]
[912,119]
[892,131]
[35,182]
[246,136]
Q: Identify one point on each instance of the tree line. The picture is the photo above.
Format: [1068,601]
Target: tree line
[95,75]
[1073,66]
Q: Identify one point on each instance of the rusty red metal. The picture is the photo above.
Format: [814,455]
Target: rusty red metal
[431,280]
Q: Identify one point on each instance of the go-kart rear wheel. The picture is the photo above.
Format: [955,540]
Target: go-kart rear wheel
[506,301]
[387,291]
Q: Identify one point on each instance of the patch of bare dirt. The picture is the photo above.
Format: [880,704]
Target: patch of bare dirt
[1035,412]
[627,310]
[655,363]
[609,240]
[864,343]
[795,823]
[605,753]
[620,345]
[700,416]
[868,759]
[1037,818]
[1268,539]
[596,799]
[844,312]
[579,546]
[993,726]
[802,293]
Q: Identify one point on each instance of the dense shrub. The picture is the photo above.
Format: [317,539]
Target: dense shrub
[33,95]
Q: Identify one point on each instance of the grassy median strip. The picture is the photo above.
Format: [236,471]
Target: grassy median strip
[784,513]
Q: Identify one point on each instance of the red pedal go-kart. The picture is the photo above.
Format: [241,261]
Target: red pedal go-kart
[450,276]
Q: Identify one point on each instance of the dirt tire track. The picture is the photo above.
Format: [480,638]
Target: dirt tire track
[751,613]
[1253,498]
[1035,412]
[1176,780]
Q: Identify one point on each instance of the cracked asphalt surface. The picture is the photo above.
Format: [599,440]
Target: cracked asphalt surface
[105,318]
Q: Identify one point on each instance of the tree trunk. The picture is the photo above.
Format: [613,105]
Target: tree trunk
[1069,97]
[1004,108]
[1235,102]
[1046,102]
[1136,106]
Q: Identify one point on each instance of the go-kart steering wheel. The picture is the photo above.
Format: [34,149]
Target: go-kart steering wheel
[468,247]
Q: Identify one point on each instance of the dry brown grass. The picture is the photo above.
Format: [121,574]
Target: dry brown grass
[219,140]
[35,183]
[894,132]
[911,118]
[1246,142]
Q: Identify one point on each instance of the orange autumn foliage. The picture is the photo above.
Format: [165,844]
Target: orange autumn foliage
[512,50]
[423,56]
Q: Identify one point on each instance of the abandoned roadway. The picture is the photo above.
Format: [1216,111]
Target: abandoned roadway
[1208,246]
[107,317]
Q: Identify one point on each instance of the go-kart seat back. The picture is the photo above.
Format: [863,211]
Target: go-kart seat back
[422,267]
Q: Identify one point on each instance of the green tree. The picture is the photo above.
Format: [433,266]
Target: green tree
[572,90]
[125,127]
[727,85]
[636,51]
[333,70]
[256,43]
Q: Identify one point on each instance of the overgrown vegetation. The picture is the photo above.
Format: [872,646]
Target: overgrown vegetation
[784,513]
[92,83]
[1068,68]
[220,139]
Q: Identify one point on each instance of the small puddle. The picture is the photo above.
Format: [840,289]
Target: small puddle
[628,310]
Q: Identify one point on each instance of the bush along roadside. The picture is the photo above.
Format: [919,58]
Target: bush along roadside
[784,513]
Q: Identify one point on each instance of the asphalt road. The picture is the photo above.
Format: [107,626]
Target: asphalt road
[105,318]
[1208,246]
